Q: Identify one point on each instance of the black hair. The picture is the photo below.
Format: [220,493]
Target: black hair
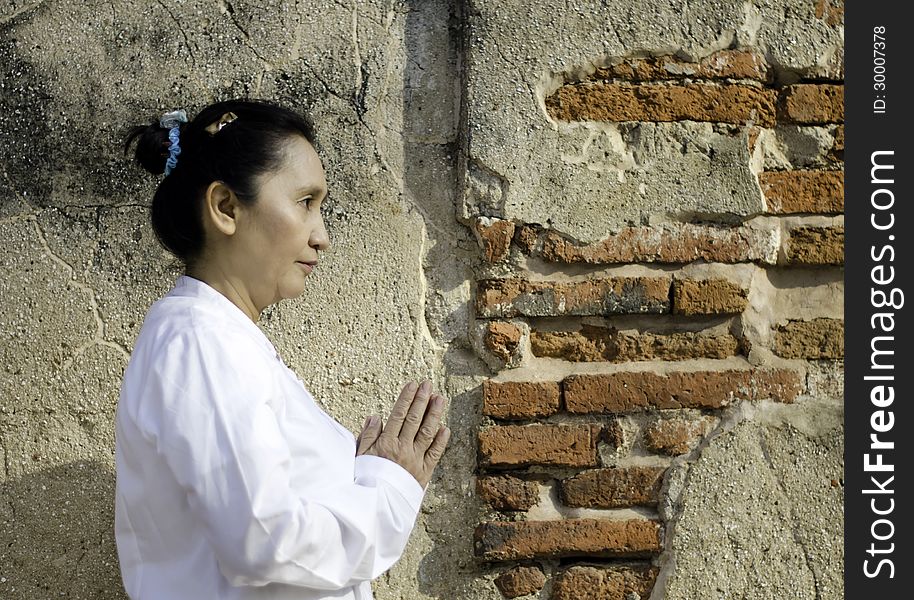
[241,150]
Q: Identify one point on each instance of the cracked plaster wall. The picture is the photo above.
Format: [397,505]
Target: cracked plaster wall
[382,81]
[81,264]
[587,178]
[756,510]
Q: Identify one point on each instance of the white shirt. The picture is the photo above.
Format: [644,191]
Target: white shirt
[232,483]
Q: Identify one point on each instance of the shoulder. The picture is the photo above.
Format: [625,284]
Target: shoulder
[190,363]
[181,336]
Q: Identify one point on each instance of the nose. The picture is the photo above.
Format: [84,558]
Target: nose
[320,239]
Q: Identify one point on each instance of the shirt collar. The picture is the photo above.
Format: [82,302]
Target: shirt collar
[195,288]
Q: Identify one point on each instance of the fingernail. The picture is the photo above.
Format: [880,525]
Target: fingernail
[426,385]
[373,420]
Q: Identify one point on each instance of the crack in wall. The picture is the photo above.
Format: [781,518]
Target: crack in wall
[226,8]
[98,336]
[180,26]
[797,538]
[7,18]
[6,460]
[422,320]
[729,419]
[361,74]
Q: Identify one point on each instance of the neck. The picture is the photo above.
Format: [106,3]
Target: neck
[232,287]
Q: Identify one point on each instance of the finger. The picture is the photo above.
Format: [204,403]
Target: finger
[369,435]
[431,422]
[436,450]
[416,413]
[398,412]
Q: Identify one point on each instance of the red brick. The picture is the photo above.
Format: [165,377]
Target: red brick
[503,540]
[660,102]
[672,244]
[503,339]
[813,103]
[557,445]
[832,11]
[494,236]
[812,245]
[526,237]
[837,149]
[731,64]
[752,137]
[815,339]
[628,391]
[520,399]
[803,191]
[506,492]
[708,297]
[520,581]
[676,435]
[582,582]
[613,433]
[781,385]
[612,296]
[613,487]
[593,343]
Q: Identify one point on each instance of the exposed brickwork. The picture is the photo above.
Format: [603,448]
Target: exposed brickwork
[675,244]
[604,583]
[708,297]
[506,492]
[611,296]
[781,385]
[810,245]
[500,540]
[642,390]
[613,434]
[558,445]
[677,435]
[494,236]
[526,238]
[832,11]
[803,191]
[813,104]
[607,344]
[660,102]
[732,64]
[837,149]
[520,581]
[815,339]
[752,136]
[613,487]
[520,400]
[502,339]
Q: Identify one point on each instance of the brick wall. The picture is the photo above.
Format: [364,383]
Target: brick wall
[614,359]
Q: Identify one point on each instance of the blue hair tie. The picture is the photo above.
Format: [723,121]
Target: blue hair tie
[172,121]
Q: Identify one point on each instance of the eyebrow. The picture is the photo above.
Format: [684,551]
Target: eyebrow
[310,189]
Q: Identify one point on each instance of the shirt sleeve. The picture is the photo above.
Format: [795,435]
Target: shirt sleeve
[221,438]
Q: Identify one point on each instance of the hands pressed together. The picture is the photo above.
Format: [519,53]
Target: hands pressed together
[413,436]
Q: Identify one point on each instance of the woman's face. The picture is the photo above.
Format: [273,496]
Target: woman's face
[284,229]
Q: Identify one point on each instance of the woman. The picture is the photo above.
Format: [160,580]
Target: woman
[232,483]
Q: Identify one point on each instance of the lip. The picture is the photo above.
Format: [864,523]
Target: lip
[307,266]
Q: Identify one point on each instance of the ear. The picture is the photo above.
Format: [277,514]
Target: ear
[220,207]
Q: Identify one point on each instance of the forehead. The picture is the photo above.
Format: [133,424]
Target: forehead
[301,168]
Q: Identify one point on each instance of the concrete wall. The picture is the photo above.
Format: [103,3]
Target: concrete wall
[499,227]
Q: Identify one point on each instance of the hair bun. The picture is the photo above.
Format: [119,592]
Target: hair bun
[152,146]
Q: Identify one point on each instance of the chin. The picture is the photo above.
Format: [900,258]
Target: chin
[291,290]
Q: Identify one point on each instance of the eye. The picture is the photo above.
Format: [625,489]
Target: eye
[307,200]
